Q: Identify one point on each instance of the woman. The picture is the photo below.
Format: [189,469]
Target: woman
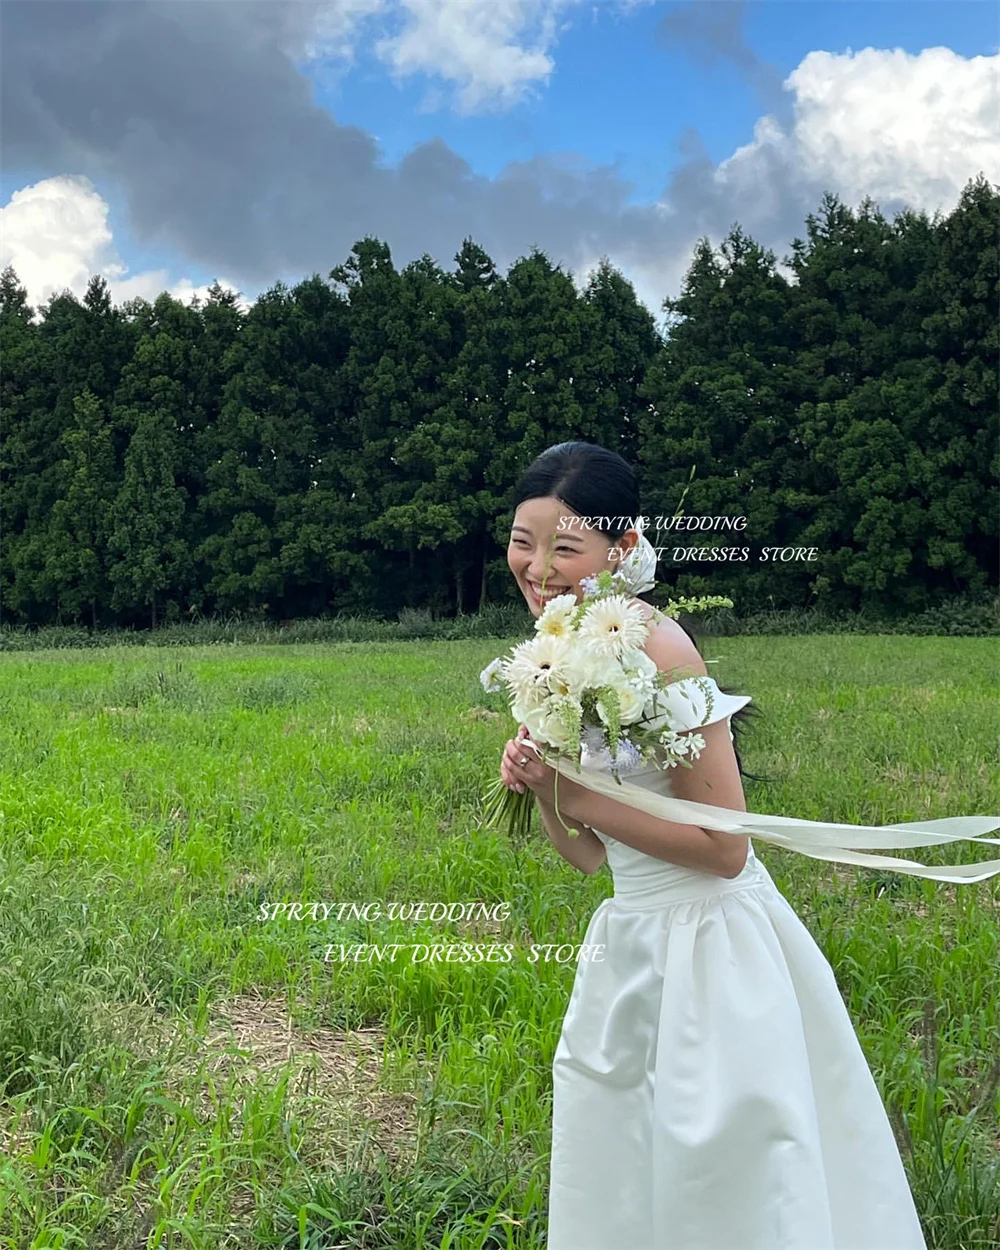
[709,1089]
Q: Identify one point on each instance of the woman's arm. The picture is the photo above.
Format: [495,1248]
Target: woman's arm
[706,850]
[586,852]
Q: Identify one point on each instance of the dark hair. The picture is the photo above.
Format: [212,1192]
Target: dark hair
[593,481]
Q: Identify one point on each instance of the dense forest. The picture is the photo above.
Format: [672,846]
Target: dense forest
[352,444]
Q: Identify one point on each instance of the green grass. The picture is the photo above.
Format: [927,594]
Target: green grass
[175,1072]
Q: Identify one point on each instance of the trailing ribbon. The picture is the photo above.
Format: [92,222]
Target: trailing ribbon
[817,839]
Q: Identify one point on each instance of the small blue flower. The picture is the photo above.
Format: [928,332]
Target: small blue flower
[629,757]
[599,754]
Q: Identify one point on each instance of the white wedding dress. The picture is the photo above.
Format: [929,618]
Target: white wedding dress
[709,1089]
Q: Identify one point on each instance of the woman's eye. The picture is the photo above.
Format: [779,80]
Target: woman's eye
[566,551]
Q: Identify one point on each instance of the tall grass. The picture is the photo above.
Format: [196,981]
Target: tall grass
[175,1071]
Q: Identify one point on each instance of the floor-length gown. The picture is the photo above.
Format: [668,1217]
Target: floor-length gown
[709,1089]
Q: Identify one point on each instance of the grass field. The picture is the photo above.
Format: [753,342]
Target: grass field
[176,1071]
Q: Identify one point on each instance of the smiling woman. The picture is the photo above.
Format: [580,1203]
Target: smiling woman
[709,1089]
[549,559]
[554,544]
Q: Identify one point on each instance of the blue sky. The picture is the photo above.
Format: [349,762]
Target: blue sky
[618,94]
[167,147]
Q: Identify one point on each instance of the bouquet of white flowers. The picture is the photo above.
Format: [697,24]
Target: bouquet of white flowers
[585,689]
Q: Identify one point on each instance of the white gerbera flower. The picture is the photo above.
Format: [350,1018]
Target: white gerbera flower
[612,626]
[492,676]
[568,678]
[558,616]
[533,661]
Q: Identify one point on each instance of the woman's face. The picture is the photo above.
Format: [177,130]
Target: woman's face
[541,555]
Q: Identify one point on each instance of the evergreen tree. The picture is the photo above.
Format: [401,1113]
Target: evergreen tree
[721,397]
[263,451]
[79,525]
[623,341]
[453,509]
[20,463]
[404,336]
[147,518]
[352,444]
[541,335]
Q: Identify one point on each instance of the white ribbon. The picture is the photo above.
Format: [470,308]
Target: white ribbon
[817,839]
[846,844]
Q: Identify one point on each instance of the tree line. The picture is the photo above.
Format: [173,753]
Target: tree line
[351,444]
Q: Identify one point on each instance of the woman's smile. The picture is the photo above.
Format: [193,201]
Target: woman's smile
[551,551]
[550,593]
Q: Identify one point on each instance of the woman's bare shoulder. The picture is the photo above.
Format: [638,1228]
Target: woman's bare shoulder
[670,646]
[667,626]
[644,608]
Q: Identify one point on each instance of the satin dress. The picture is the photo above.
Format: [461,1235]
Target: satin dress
[709,1088]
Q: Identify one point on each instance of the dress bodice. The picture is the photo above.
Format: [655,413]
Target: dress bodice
[642,879]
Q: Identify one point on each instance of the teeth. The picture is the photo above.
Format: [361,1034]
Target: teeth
[549,595]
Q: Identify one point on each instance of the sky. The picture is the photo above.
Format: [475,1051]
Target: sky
[168,145]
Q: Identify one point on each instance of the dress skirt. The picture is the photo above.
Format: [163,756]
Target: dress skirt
[709,1089]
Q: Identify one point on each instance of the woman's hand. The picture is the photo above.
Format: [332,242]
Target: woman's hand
[510,766]
[534,775]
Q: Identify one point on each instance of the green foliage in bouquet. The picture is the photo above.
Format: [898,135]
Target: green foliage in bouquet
[583,682]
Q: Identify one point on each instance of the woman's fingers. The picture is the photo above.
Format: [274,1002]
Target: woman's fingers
[510,763]
[505,771]
[512,754]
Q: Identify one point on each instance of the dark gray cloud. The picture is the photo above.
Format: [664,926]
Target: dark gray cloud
[197,111]
[711,32]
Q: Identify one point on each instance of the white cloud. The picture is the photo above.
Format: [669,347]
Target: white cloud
[338,25]
[493,51]
[896,125]
[328,43]
[909,130]
[56,235]
[901,127]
